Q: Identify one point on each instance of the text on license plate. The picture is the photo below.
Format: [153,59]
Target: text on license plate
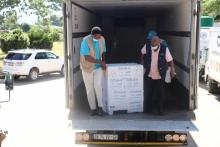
[10,64]
[105,137]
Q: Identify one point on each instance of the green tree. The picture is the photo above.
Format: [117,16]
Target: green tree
[54,35]
[8,10]
[211,8]
[40,37]
[56,21]
[25,27]
[9,4]
[9,20]
[15,39]
[43,9]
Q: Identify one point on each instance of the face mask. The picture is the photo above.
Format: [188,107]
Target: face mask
[95,40]
[154,47]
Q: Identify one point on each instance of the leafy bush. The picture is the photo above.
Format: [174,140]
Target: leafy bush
[54,35]
[40,38]
[16,39]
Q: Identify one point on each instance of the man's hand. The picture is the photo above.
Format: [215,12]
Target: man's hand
[103,65]
[2,136]
[172,73]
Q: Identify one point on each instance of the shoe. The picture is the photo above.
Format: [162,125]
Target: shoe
[161,111]
[100,112]
[93,113]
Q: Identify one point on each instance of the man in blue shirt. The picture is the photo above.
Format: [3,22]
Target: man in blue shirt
[92,63]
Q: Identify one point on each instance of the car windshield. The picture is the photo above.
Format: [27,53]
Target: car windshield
[17,56]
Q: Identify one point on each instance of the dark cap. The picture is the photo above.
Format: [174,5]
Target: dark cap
[96,30]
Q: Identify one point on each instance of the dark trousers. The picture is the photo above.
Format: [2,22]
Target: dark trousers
[154,95]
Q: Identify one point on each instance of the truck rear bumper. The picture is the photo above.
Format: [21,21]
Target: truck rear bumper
[135,143]
[131,138]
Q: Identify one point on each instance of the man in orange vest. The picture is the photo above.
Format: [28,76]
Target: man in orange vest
[92,63]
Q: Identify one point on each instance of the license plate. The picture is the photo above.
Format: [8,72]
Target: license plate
[105,137]
[10,64]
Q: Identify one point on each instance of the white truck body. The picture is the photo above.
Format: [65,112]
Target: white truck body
[203,52]
[212,68]
[125,25]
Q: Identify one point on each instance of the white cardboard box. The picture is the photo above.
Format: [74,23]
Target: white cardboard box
[124,87]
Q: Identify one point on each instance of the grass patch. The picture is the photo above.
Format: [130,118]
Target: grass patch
[58,49]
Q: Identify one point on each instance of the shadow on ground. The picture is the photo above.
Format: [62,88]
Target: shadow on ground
[203,86]
[42,78]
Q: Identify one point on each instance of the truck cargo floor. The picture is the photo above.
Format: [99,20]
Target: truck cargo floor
[178,120]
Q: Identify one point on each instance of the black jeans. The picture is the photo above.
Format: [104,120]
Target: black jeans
[154,95]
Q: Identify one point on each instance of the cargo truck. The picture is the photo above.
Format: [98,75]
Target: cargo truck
[212,66]
[125,24]
[207,23]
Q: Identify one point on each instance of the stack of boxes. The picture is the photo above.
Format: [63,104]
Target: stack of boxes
[124,88]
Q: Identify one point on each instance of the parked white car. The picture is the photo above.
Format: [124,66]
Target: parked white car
[32,62]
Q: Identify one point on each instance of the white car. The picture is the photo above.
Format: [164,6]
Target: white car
[32,62]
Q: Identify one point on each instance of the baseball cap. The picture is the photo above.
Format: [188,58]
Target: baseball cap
[151,34]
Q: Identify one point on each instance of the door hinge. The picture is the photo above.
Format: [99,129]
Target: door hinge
[68,57]
[193,56]
[67,14]
[192,97]
[195,12]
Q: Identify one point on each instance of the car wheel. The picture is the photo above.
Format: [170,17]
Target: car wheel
[16,77]
[62,72]
[33,75]
[212,86]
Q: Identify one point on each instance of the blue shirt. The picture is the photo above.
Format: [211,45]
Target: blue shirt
[85,50]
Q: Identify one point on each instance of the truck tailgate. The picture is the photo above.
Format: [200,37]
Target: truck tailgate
[141,124]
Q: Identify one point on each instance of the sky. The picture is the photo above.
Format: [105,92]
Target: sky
[30,19]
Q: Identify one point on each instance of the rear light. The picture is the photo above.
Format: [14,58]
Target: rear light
[86,137]
[79,137]
[183,137]
[82,137]
[168,137]
[19,63]
[176,137]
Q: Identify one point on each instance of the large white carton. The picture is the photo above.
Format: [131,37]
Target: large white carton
[124,87]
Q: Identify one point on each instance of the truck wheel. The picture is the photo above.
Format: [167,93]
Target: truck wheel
[212,86]
[16,77]
[201,75]
[33,75]
[201,79]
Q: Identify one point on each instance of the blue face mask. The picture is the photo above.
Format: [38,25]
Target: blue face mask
[95,39]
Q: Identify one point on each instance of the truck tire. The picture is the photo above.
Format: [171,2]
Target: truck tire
[33,74]
[212,86]
[201,79]
[16,77]
[201,75]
